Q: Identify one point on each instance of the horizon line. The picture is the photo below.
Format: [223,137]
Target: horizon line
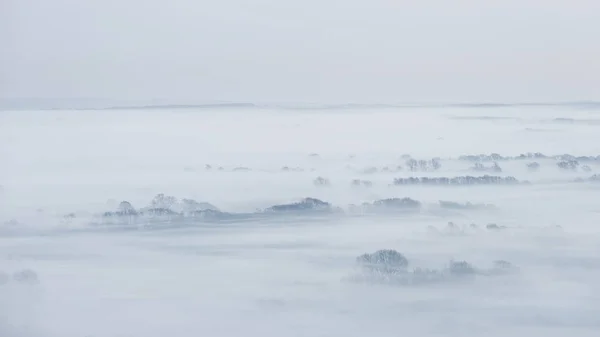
[305,105]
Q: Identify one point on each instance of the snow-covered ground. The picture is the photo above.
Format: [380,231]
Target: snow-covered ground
[65,273]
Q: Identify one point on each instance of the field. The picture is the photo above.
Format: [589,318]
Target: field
[77,262]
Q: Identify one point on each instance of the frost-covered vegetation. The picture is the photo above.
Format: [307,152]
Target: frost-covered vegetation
[458,181]
[391,267]
[529,155]
[466,205]
[479,167]
[169,209]
[361,183]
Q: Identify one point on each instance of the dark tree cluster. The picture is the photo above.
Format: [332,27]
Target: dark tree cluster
[241,169]
[391,267]
[163,206]
[498,157]
[461,268]
[454,229]
[373,169]
[568,157]
[370,170]
[494,227]
[292,169]
[458,181]
[320,181]
[361,183]
[403,203]
[568,164]
[483,157]
[467,205]
[392,169]
[389,205]
[209,167]
[306,204]
[572,163]
[385,261]
[423,165]
[479,167]
[594,178]
[529,155]
[124,209]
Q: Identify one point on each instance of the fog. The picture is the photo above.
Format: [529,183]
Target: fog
[380,51]
[308,168]
[67,268]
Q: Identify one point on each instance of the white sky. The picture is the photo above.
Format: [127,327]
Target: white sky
[301,51]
